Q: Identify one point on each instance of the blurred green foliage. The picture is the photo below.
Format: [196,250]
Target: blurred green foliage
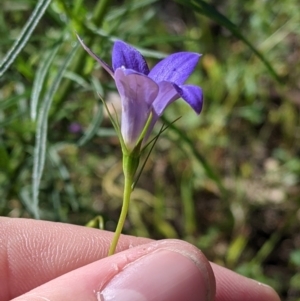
[227,181]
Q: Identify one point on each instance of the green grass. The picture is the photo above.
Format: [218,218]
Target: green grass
[227,181]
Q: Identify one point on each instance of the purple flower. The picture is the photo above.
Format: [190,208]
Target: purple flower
[75,128]
[144,92]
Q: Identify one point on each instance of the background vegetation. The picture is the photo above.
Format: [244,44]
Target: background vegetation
[227,181]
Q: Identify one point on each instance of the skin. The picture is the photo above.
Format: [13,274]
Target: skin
[42,260]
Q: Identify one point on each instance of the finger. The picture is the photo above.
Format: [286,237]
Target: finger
[168,270]
[234,287]
[34,252]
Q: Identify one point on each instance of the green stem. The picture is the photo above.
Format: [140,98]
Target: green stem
[128,181]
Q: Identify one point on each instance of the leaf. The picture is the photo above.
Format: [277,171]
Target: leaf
[209,11]
[24,36]
[41,133]
[39,81]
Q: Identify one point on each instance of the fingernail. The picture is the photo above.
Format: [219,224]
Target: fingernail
[164,275]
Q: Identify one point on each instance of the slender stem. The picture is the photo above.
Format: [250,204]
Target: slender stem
[128,181]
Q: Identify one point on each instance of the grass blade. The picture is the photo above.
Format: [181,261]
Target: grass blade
[209,11]
[24,36]
[39,81]
[41,133]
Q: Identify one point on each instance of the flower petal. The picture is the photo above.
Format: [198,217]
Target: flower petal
[126,56]
[137,93]
[97,58]
[193,95]
[175,68]
[166,95]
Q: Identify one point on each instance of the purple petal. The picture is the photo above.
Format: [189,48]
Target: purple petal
[193,95]
[97,58]
[126,56]
[175,68]
[130,71]
[166,95]
[137,95]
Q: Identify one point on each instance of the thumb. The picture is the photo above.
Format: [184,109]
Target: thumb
[167,270]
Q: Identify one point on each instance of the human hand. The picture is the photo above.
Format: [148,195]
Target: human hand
[52,261]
